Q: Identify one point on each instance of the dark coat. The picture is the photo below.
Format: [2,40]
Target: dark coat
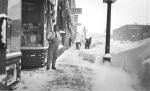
[87,43]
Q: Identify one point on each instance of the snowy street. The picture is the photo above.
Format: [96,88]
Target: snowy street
[74,73]
[74,45]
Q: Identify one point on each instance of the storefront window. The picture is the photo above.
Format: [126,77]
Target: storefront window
[30,35]
[32,24]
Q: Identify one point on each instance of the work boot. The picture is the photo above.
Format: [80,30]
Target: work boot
[54,68]
[47,67]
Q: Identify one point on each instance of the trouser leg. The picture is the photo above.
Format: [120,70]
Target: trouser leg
[79,45]
[76,45]
[69,43]
[49,57]
[88,46]
[85,46]
[55,55]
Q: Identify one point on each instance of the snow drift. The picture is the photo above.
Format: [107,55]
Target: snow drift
[133,57]
[136,61]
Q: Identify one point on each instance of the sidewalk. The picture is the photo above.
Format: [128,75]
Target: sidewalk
[70,75]
[73,73]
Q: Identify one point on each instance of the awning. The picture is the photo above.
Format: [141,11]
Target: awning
[53,1]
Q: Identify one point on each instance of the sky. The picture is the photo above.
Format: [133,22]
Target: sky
[94,13]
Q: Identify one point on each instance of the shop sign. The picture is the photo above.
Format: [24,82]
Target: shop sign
[76,10]
[12,3]
[78,24]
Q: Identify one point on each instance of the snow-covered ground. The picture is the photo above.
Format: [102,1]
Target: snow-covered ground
[71,75]
[133,57]
[83,70]
[135,61]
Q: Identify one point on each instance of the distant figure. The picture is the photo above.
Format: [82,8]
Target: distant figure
[88,43]
[77,45]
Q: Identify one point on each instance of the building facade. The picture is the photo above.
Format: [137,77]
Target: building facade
[65,20]
[132,32]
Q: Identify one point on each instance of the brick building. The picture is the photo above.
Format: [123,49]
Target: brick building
[132,32]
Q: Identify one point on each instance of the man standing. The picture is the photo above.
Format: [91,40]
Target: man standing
[77,45]
[89,42]
[86,43]
[54,39]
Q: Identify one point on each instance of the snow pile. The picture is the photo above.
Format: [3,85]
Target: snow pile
[108,78]
[96,53]
[88,56]
[130,56]
[135,61]
[92,54]
[104,77]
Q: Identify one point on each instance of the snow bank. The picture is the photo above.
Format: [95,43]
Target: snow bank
[104,77]
[130,56]
[91,55]
[133,61]
[88,56]
[96,53]
[110,78]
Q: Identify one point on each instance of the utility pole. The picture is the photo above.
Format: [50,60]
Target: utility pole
[107,55]
[85,30]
